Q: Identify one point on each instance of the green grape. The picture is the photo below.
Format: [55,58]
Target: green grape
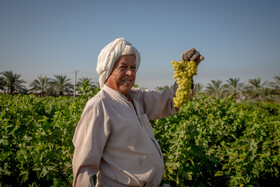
[183,72]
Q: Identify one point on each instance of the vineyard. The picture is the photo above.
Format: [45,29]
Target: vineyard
[210,142]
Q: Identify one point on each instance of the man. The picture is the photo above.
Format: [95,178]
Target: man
[114,138]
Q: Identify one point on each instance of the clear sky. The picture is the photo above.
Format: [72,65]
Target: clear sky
[239,38]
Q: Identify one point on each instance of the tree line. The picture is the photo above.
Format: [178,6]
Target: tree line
[60,85]
[254,89]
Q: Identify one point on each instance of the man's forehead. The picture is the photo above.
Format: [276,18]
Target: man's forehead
[125,63]
[126,59]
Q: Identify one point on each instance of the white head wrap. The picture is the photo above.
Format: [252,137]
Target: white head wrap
[110,54]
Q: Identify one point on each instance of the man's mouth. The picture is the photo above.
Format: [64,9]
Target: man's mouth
[127,81]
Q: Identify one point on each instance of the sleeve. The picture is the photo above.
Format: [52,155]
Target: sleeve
[159,105]
[89,141]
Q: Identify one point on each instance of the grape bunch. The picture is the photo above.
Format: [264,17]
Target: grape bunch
[183,72]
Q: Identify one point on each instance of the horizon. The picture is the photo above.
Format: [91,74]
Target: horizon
[239,39]
[27,84]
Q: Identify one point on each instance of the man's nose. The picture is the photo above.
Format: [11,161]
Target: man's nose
[130,71]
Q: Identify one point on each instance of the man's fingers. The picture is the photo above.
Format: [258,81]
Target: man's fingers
[198,60]
[201,58]
[195,56]
[188,54]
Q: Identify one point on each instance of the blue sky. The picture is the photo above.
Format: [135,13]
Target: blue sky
[239,38]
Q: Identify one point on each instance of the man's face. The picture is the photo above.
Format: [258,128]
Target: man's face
[123,74]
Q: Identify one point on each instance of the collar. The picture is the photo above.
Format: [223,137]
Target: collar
[115,93]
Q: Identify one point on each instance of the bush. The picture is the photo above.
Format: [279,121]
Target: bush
[36,139]
[207,143]
[220,142]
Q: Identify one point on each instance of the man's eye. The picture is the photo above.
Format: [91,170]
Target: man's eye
[123,67]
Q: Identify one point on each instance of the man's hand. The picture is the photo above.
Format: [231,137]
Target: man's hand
[192,54]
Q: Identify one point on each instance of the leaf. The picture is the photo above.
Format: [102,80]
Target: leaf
[188,175]
[219,174]
[44,172]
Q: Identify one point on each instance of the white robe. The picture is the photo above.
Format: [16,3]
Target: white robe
[115,140]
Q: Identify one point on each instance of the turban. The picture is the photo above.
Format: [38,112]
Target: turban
[110,54]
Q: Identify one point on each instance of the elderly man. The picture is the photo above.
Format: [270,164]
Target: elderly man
[114,138]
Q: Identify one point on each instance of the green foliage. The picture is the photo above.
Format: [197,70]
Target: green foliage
[36,139]
[207,143]
[220,142]
[86,90]
[11,83]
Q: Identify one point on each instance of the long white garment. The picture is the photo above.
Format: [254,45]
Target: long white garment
[114,139]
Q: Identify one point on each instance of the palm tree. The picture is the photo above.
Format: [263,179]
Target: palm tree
[255,86]
[265,94]
[12,82]
[82,80]
[87,90]
[198,89]
[60,85]
[160,88]
[2,81]
[276,85]
[215,89]
[41,85]
[233,87]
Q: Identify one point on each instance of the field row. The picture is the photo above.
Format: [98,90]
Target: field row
[209,142]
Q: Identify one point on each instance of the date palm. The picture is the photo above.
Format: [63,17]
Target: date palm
[2,83]
[277,81]
[198,89]
[265,94]
[87,88]
[215,89]
[41,85]
[60,85]
[12,82]
[160,88]
[255,86]
[275,85]
[233,87]
[82,80]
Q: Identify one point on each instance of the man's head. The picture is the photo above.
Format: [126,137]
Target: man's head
[111,56]
[123,74]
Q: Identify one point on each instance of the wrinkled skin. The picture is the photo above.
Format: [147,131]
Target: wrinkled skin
[192,54]
[123,74]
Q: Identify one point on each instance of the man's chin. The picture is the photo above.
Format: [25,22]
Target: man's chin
[126,89]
